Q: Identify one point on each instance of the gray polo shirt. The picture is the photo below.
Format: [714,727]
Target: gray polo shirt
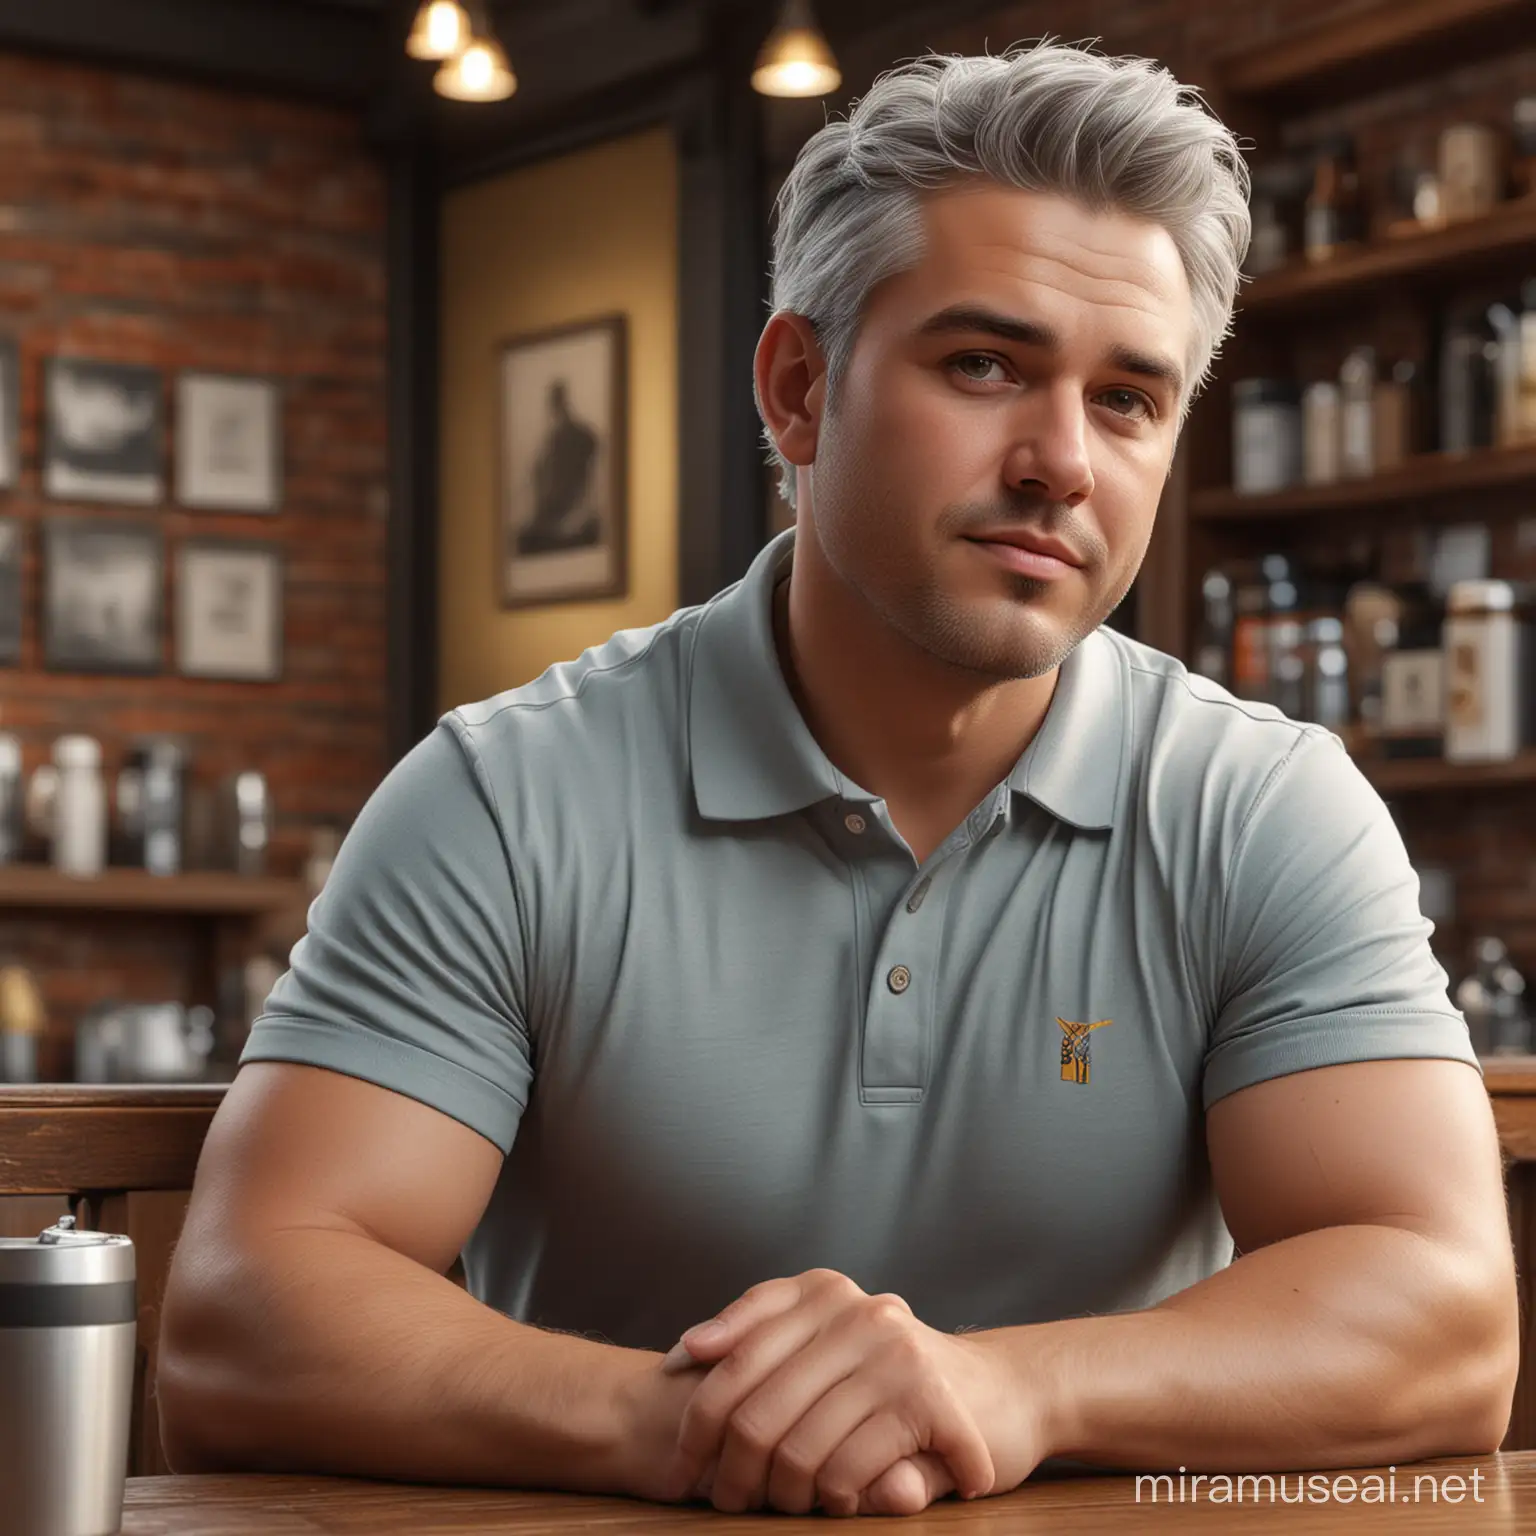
[630,924]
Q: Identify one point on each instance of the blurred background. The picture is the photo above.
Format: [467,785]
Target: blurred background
[360,358]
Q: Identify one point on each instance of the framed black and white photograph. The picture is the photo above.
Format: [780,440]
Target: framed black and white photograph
[104,432]
[102,596]
[10,413]
[12,532]
[228,443]
[229,610]
[562,518]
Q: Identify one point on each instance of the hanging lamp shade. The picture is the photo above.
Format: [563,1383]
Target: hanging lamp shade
[440,30]
[795,59]
[479,72]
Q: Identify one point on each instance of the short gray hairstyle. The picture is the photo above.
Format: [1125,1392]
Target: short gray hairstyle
[1111,133]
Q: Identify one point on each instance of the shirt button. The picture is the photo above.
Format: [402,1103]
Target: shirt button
[854,822]
[899,979]
[915,900]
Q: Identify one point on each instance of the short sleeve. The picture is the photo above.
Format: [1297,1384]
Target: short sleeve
[1325,953]
[411,973]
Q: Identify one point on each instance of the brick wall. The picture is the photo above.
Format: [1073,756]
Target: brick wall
[1487,839]
[149,222]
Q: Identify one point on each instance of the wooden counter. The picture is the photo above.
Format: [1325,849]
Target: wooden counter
[1079,1506]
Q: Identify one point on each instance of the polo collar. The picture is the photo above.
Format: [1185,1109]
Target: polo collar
[752,756]
[1076,762]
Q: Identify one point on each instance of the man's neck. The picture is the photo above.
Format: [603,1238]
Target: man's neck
[928,738]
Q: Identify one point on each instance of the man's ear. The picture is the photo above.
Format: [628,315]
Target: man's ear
[789,375]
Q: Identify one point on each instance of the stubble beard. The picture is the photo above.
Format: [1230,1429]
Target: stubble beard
[993,650]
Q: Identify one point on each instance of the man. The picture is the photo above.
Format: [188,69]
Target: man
[882,957]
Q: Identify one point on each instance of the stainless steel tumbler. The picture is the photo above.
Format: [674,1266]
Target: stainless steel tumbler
[67,1335]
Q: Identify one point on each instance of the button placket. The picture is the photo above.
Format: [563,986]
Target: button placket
[899,1024]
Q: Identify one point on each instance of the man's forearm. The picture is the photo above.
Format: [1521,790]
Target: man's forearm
[1342,1347]
[332,1353]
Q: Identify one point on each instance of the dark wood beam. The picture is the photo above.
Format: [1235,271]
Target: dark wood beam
[324,52]
[722,513]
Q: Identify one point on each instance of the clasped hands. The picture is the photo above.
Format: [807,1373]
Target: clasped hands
[820,1394]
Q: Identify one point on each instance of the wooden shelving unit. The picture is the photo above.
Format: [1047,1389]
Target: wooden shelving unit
[202,894]
[1419,775]
[1372,50]
[1423,477]
[1423,258]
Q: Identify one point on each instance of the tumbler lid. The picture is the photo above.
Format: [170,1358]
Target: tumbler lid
[63,1255]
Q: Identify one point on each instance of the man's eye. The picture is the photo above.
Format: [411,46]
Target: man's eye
[1128,402]
[976,367]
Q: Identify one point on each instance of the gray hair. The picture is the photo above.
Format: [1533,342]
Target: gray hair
[1118,134]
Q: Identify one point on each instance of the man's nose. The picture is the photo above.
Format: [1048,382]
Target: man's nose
[1050,455]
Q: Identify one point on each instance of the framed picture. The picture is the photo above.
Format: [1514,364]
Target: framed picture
[104,432]
[102,586]
[562,518]
[229,610]
[10,413]
[12,531]
[228,443]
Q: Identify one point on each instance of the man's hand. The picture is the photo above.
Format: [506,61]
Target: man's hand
[818,1391]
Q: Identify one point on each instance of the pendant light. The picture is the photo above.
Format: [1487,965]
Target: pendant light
[795,59]
[478,71]
[441,28]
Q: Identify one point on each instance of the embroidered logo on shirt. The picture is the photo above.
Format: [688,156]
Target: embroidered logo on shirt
[1076,1062]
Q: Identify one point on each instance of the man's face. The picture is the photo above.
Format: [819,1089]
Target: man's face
[1022,383]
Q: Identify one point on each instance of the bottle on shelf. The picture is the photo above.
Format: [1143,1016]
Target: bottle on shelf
[1525,389]
[1469,357]
[1213,653]
[1471,170]
[1523,166]
[1392,416]
[1250,635]
[1321,432]
[1412,718]
[1266,435]
[1282,621]
[1333,211]
[1492,998]
[1357,391]
[1490,671]
[1326,678]
[1505,322]
[1372,616]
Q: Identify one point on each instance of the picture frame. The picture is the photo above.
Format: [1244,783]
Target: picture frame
[104,432]
[12,550]
[103,596]
[229,610]
[562,513]
[10,413]
[229,447]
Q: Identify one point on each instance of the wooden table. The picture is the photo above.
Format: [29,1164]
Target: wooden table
[1087,1506]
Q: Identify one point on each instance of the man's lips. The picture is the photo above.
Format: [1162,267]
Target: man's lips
[1035,555]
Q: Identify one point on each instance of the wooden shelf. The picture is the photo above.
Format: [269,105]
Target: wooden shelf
[1422,256]
[1370,51]
[1421,478]
[211,894]
[1421,775]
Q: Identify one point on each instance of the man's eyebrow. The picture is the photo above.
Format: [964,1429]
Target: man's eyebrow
[1150,365]
[1035,333]
[975,317]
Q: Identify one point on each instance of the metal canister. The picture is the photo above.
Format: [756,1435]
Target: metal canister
[68,1330]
